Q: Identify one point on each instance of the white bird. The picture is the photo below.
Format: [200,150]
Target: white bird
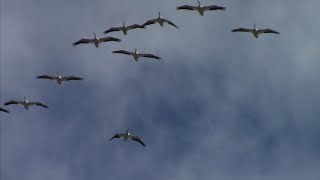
[256,32]
[96,41]
[4,110]
[127,136]
[124,28]
[59,78]
[136,55]
[201,9]
[26,104]
[159,20]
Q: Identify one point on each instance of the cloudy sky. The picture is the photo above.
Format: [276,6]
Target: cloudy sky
[219,105]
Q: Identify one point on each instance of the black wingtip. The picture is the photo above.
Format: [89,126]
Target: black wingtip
[6,111]
[115,39]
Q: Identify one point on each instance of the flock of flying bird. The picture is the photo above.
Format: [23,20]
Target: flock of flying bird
[136,55]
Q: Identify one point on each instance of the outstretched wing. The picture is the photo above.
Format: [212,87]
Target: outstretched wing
[82,41]
[113,29]
[241,30]
[11,102]
[186,7]
[116,136]
[137,139]
[149,22]
[213,7]
[45,77]
[106,39]
[4,110]
[38,104]
[268,31]
[70,78]
[171,23]
[135,26]
[150,56]
[122,52]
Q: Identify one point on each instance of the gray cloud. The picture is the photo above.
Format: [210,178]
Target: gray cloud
[219,106]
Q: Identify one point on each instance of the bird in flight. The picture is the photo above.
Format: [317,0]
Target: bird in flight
[26,104]
[201,9]
[124,28]
[59,79]
[127,136]
[136,55]
[96,41]
[256,32]
[159,20]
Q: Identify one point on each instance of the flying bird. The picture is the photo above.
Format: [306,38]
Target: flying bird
[136,55]
[201,9]
[127,136]
[59,79]
[4,110]
[256,32]
[96,41]
[26,104]
[159,20]
[124,28]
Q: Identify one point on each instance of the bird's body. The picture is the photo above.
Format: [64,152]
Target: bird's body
[96,41]
[201,9]
[256,32]
[25,103]
[4,110]
[124,28]
[160,20]
[127,136]
[59,79]
[136,55]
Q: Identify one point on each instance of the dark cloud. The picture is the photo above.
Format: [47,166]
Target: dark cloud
[220,105]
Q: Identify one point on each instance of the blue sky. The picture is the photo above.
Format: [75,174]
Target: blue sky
[219,105]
